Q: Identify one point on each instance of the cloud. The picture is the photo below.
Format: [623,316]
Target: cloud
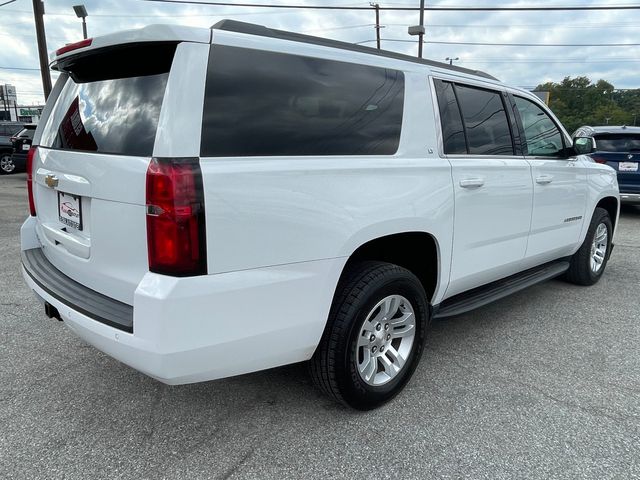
[519,66]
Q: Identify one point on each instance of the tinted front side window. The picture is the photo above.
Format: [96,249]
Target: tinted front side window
[617,143]
[264,103]
[485,121]
[452,130]
[542,138]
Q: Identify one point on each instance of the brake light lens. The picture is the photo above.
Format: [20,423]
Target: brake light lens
[599,159]
[74,46]
[32,203]
[176,234]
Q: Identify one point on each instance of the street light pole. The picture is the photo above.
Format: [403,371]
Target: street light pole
[81,12]
[38,13]
[451,60]
[418,30]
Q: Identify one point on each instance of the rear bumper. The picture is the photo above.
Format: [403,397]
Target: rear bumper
[187,330]
[75,295]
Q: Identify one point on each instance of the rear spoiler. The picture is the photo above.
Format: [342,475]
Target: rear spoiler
[152,33]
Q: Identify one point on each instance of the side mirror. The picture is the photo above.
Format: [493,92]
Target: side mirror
[584,145]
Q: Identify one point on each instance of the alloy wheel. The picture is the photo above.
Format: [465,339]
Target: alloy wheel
[386,339]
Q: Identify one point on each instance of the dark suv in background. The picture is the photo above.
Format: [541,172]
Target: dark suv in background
[7,130]
[21,142]
[618,147]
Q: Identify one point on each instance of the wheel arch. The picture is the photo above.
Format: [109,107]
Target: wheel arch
[417,251]
[611,205]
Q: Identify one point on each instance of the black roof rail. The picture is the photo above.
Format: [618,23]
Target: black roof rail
[262,31]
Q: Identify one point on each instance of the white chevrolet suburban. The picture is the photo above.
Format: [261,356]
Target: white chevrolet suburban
[210,202]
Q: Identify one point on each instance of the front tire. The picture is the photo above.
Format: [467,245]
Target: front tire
[374,336]
[589,262]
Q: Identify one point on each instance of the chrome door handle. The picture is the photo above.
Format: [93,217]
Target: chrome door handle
[544,179]
[472,182]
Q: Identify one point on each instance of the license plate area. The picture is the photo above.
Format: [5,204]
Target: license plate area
[70,210]
[628,166]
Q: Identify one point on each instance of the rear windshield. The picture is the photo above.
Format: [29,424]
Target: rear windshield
[26,133]
[111,101]
[617,143]
[274,104]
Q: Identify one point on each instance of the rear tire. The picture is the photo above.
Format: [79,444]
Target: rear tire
[589,262]
[6,164]
[374,336]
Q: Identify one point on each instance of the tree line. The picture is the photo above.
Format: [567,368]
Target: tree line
[577,102]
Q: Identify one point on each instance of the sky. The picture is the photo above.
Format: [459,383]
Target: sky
[522,66]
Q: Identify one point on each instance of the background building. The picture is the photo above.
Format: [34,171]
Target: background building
[8,102]
[10,110]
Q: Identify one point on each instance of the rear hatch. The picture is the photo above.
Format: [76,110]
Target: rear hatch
[621,151]
[90,164]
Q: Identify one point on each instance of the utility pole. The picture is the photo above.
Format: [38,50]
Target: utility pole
[378,27]
[38,13]
[451,60]
[421,35]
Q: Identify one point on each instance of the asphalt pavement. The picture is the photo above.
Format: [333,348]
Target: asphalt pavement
[543,384]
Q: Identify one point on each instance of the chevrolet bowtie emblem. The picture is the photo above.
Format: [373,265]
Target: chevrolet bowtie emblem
[51,181]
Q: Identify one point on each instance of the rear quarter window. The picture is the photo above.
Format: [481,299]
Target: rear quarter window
[260,103]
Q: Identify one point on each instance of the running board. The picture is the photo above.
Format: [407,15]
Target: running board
[481,296]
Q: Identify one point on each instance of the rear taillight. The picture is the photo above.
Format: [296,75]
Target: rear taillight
[30,157]
[175,217]
[599,159]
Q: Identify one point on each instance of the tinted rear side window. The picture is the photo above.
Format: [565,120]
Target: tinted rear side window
[111,102]
[485,121]
[617,143]
[262,103]
[450,119]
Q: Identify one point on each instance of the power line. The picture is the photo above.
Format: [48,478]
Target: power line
[19,68]
[410,9]
[548,61]
[443,42]
[520,25]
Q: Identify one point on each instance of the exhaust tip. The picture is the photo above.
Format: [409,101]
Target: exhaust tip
[51,311]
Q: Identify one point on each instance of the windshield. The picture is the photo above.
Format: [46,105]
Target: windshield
[617,143]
